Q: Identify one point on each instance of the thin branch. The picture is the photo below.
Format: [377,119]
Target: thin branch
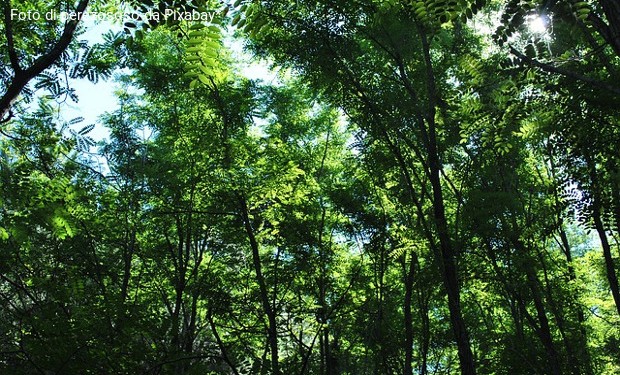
[20,287]
[220,343]
[567,73]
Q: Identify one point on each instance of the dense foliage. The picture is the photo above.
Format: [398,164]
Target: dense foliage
[424,187]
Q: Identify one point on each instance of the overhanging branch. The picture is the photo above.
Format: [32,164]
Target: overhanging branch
[22,77]
[565,72]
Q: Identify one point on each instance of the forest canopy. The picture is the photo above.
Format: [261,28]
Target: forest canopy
[415,187]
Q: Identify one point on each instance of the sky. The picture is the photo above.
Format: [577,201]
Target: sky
[94,99]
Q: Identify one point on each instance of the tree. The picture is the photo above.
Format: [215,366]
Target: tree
[27,55]
[404,197]
[334,45]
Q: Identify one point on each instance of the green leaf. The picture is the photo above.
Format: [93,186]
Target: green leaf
[204,79]
[4,234]
[197,34]
[197,26]
[193,49]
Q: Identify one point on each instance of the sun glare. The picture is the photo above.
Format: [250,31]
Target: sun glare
[538,23]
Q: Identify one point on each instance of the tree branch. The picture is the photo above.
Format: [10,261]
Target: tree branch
[567,73]
[22,77]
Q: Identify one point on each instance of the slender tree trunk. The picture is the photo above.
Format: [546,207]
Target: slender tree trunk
[180,261]
[220,343]
[610,267]
[327,351]
[322,353]
[582,335]
[569,258]
[448,254]
[542,327]
[175,252]
[322,313]
[573,361]
[544,330]
[128,252]
[267,307]
[425,345]
[408,274]
[450,277]
[382,361]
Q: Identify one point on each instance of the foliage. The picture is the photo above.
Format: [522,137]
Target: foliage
[404,198]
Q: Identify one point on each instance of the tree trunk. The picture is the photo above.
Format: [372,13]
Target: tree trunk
[543,330]
[448,255]
[425,345]
[264,295]
[582,338]
[408,281]
[610,267]
[611,8]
